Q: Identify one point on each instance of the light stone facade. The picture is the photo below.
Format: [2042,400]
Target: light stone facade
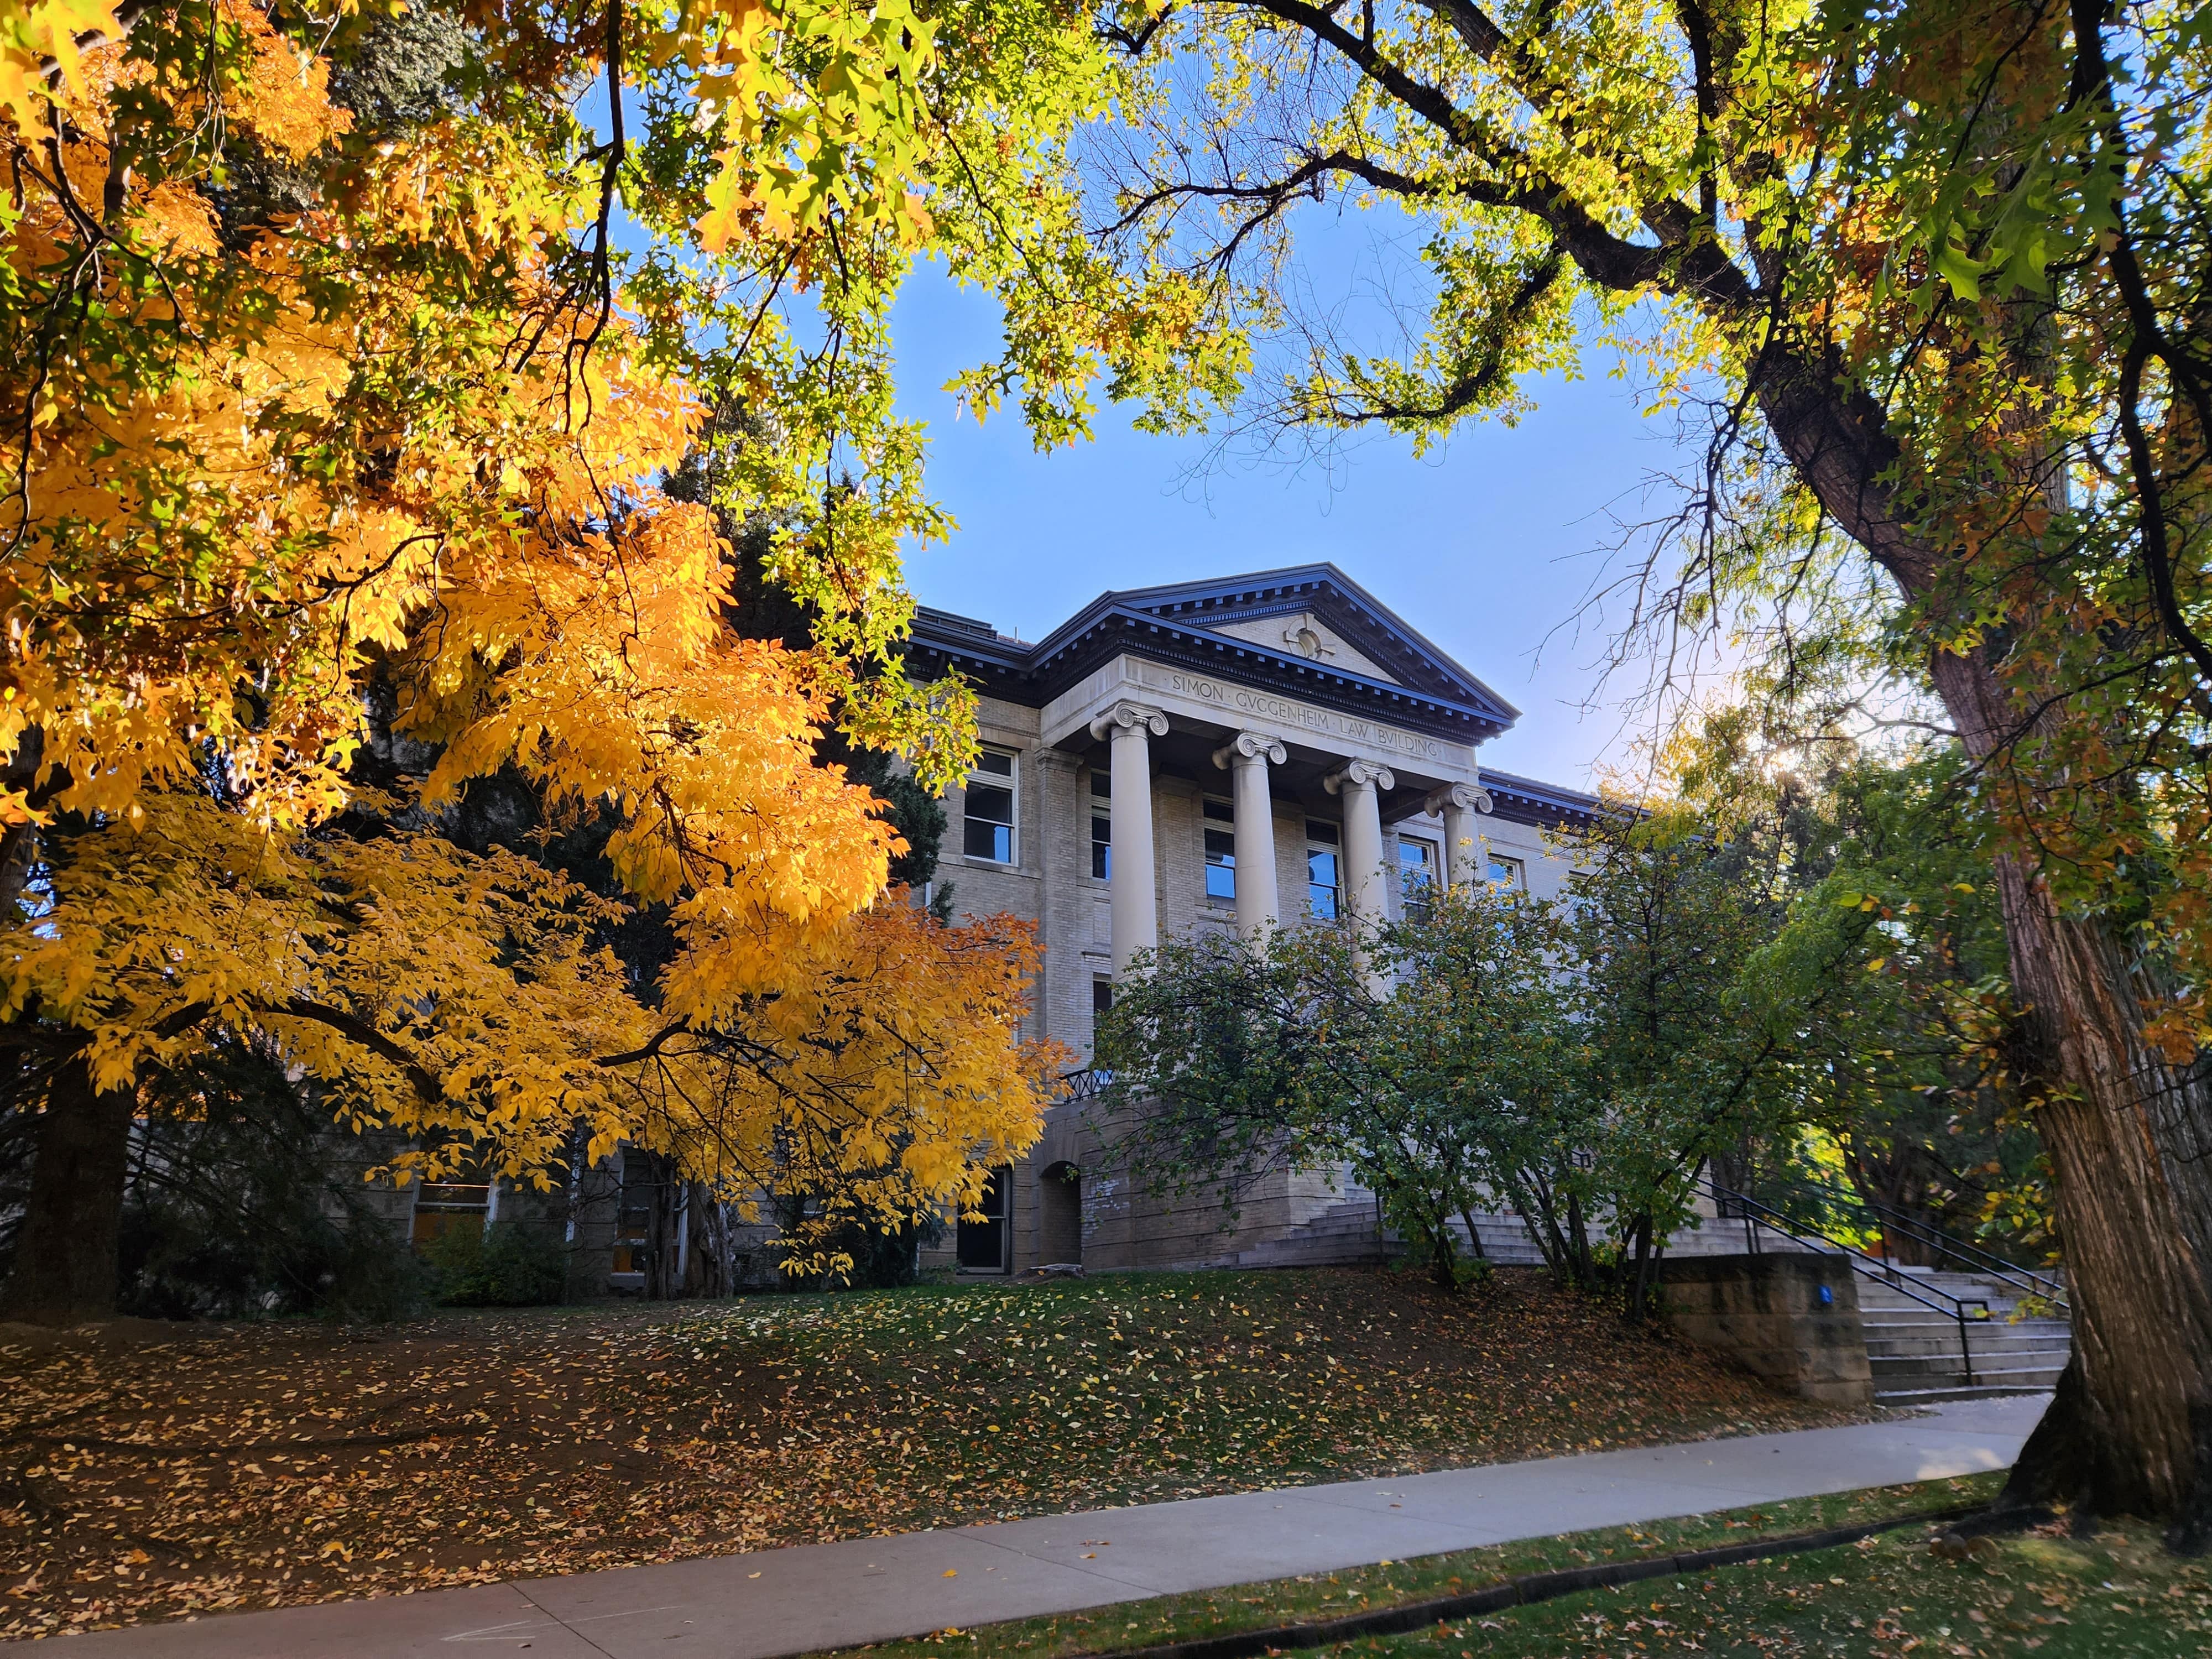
[1324,732]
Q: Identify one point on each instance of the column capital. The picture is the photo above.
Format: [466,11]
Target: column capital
[1360,774]
[1250,745]
[1465,797]
[1130,717]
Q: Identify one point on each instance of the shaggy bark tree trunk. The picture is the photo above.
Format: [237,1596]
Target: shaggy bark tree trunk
[65,1265]
[2128,1136]
[2125,1137]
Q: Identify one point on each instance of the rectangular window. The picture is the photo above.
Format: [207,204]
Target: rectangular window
[441,1205]
[981,1245]
[988,829]
[1102,825]
[1102,993]
[641,1186]
[1220,851]
[1323,881]
[1505,872]
[1417,878]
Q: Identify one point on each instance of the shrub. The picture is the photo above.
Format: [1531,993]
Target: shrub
[509,1266]
[244,1203]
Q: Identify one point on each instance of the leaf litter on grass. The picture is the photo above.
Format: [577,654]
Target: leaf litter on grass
[258,1466]
[2115,1593]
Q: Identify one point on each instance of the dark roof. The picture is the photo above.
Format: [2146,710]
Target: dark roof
[1178,625]
[1542,805]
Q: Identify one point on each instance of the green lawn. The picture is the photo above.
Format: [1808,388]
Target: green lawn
[2115,1593]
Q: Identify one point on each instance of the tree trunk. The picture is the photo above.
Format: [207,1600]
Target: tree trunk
[65,1264]
[2128,1137]
[660,1230]
[2127,1140]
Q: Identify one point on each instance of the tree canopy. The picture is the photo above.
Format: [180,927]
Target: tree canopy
[1934,274]
[299,390]
[329,390]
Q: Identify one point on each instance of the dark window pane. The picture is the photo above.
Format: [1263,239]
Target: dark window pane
[997,764]
[995,842]
[1221,844]
[1323,832]
[1220,812]
[981,1245]
[1102,860]
[1102,995]
[989,829]
[1101,783]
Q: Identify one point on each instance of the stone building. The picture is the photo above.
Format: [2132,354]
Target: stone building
[1209,756]
[1206,756]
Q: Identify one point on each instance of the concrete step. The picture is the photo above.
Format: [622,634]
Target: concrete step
[1908,1347]
[1877,1297]
[1945,1396]
[1899,1364]
[1505,1241]
[2041,1331]
[2013,1373]
[1873,1293]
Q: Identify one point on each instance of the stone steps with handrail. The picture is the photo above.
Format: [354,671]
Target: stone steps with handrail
[1932,1334]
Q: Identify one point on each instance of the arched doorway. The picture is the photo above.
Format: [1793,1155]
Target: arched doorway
[1059,1216]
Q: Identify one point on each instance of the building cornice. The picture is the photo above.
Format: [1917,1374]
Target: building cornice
[1107,628]
[1540,805]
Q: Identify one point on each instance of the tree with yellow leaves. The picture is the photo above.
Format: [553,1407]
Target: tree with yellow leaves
[324,381]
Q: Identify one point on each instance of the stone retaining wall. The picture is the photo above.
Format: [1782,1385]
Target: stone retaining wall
[1793,1319]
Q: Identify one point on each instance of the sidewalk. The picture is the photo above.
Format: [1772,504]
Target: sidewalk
[826,1596]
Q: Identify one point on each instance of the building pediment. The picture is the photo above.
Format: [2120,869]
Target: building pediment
[1310,636]
[1310,633]
[1317,613]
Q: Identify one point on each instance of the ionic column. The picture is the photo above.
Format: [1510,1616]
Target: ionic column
[1459,803]
[1355,783]
[1132,900]
[1247,756]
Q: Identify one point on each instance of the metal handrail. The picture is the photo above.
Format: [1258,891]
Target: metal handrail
[2025,1278]
[1775,1221]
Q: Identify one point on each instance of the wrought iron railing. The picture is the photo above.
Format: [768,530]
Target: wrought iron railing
[1084,1082]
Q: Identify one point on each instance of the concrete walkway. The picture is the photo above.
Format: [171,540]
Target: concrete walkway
[827,1596]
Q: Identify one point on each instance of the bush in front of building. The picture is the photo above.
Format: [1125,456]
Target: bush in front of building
[507,1265]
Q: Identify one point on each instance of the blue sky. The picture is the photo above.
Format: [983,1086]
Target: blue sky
[1487,547]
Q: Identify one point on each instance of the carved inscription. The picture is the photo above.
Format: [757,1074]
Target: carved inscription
[1263,705]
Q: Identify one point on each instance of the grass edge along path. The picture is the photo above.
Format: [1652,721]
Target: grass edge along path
[1528,1589]
[1217,1624]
